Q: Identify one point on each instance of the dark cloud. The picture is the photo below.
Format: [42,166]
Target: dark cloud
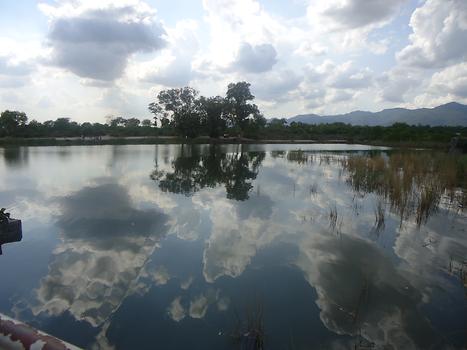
[97,44]
[360,13]
[255,59]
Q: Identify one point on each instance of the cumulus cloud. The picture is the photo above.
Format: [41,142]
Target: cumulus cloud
[14,74]
[452,80]
[350,14]
[96,41]
[276,85]
[331,83]
[255,58]
[347,24]
[175,67]
[395,84]
[439,32]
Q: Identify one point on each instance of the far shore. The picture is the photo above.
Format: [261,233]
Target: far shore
[135,140]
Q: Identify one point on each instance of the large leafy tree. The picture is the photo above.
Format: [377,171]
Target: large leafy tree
[213,109]
[182,107]
[11,122]
[240,109]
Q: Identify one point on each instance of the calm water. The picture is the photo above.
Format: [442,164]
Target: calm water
[171,247]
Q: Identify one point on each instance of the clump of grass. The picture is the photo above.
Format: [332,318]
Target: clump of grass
[299,157]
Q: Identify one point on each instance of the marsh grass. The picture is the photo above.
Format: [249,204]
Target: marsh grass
[299,157]
[413,183]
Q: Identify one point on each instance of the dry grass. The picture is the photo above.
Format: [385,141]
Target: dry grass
[412,183]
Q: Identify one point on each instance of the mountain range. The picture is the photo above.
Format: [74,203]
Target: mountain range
[450,114]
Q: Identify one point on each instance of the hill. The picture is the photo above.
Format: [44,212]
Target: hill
[450,114]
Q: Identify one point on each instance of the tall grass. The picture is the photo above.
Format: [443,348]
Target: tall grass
[413,183]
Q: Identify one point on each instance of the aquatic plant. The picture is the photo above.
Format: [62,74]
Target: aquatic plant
[413,183]
[298,156]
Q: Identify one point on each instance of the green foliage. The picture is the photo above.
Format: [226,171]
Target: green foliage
[11,122]
[213,114]
[182,112]
[182,107]
[239,109]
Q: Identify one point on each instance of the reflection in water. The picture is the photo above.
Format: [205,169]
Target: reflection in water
[315,238]
[361,292]
[15,156]
[106,242]
[193,171]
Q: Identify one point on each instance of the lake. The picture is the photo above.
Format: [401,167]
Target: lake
[237,247]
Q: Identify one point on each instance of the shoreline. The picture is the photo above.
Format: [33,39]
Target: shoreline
[155,140]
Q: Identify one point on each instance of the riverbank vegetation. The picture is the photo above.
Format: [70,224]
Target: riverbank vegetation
[185,115]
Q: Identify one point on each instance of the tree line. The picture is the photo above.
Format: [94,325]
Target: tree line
[185,113]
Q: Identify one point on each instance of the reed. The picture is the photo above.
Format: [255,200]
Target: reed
[413,183]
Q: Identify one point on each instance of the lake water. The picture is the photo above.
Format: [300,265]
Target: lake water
[199,247]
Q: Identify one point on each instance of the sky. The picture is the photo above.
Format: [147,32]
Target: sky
[90,59]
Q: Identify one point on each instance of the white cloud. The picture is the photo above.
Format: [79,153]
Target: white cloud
[451,80]
[439,32]
[395,84]
[175,66]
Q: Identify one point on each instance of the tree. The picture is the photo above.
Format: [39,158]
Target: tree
[239,109]
[132,123]
[182,106]
[117,121]
[213,109]
[11,122]
[146,123]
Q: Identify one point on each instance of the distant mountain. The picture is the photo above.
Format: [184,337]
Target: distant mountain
[452,114]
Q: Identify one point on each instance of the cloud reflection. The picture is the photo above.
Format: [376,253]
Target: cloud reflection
[106,243]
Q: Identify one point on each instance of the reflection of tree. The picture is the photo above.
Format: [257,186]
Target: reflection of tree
[195,171]
[16,156]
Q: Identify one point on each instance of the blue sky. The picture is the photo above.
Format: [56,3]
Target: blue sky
[88,59]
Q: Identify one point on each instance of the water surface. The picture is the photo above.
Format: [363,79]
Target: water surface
[193,247]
